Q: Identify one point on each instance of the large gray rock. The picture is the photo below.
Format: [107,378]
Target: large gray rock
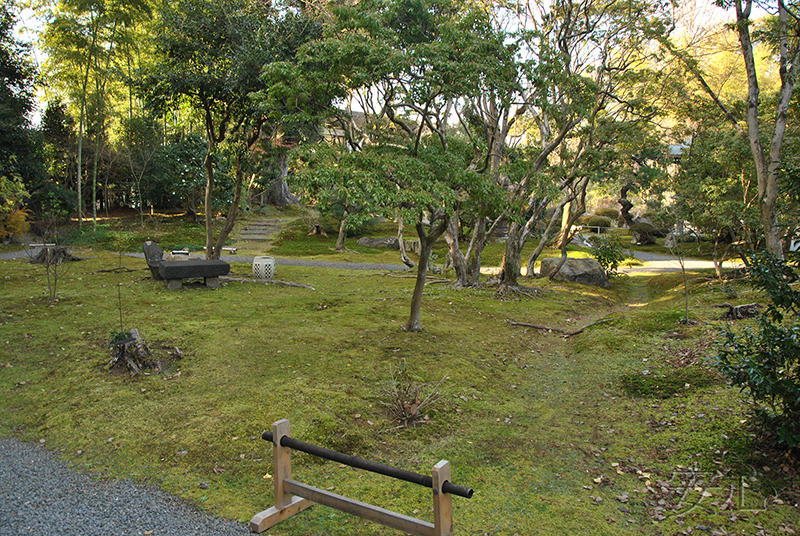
[390,242]
[584,271]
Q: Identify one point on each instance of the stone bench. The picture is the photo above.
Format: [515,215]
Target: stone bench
[174,272]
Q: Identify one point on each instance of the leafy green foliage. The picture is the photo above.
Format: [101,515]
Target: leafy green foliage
[609,251]
[19,158]
[765,359]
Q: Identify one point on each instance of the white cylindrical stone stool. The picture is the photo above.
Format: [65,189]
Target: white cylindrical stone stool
[264,268]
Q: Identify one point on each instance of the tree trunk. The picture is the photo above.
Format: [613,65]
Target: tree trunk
[279,193]
[543,241]
[401,242]
[625,211]
[475,251]
[512,260]
[768,166]
[230,221]
[426,241]
[342,233]
[208,163]
[457,258]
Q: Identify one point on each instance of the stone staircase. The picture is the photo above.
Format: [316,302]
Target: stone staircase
[259,230]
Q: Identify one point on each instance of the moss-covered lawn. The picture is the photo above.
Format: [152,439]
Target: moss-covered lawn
[583,435]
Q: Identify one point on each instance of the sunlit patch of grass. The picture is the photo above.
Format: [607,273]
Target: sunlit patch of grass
[528,419]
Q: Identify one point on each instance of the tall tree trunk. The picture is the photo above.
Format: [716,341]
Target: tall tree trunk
[768,166]
[426,241]
[233,211]
[101,90]
[457,258]
[82,123]
[512,259]
[208,163]
[279,193]
[401,241]
[475,250]
[342,233]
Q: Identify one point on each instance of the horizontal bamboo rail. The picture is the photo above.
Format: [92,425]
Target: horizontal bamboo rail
[292,497]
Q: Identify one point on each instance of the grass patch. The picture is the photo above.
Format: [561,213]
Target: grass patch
[667,383]
[529,419]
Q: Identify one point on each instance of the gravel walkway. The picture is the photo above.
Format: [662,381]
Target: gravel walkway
[249,260]
[40,495]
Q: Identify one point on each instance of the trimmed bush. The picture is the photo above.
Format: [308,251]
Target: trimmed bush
[608,212]
[644,233]
[583,220]
[599,221]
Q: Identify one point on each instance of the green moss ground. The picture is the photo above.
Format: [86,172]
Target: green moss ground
[552,433]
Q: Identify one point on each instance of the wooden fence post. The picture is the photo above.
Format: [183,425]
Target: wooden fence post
[286,505]
[442,502]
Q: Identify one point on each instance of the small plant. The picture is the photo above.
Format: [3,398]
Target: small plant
[609,252]
[765,359]
[13,225]
[406,398]
[673,244]
[116,337]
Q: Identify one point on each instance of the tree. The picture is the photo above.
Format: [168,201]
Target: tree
[780,31]
[80,39]
[716,191]
[212,54]
[407,64]
[338,183]
[20,163]
[765,360]
[578,57]
[141,139]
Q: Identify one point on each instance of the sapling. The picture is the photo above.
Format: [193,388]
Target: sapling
[673,245]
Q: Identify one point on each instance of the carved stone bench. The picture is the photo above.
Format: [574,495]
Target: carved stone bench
[174,272]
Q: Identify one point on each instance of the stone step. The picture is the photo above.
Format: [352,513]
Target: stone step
[260,237]
[263,222]
[258,228]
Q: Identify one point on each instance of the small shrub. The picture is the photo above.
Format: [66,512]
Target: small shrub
[608,250]
[583,220]
[599,221]
[644,233]
[765,359]
[14,224]
[608,212]
[407,399]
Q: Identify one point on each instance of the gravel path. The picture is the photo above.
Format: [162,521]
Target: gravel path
[40,495]
[249,260]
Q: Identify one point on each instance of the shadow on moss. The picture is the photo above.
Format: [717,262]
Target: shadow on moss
[667,383]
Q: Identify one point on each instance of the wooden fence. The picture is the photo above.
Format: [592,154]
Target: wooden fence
[292,497]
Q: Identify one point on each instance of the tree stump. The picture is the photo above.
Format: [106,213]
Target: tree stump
[132,352]
[53,255]
[739,312]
